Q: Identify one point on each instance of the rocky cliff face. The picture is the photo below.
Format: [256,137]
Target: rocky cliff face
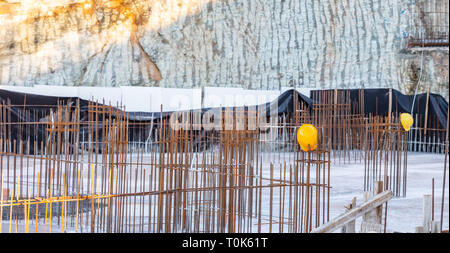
[63,42]
[255,44]
[423,70]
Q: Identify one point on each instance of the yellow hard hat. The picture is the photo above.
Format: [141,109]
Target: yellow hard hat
[307,137]
[407,120]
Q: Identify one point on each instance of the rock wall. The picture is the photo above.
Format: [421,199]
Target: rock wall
[423,70]
[254,44]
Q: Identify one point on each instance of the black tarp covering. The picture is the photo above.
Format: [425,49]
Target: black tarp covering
[37,102]
[19,108]
[376,102]
[283,104]
[25,107]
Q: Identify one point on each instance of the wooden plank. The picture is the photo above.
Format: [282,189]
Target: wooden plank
[435,227]
[379,209]
[418,229]
[367,196]
[354,213]
[368,227]
[350,227]
[374,216]
[427,213]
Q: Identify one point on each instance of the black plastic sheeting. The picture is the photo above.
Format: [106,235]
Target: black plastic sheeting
[376,102]
[38,109]
[283,104]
